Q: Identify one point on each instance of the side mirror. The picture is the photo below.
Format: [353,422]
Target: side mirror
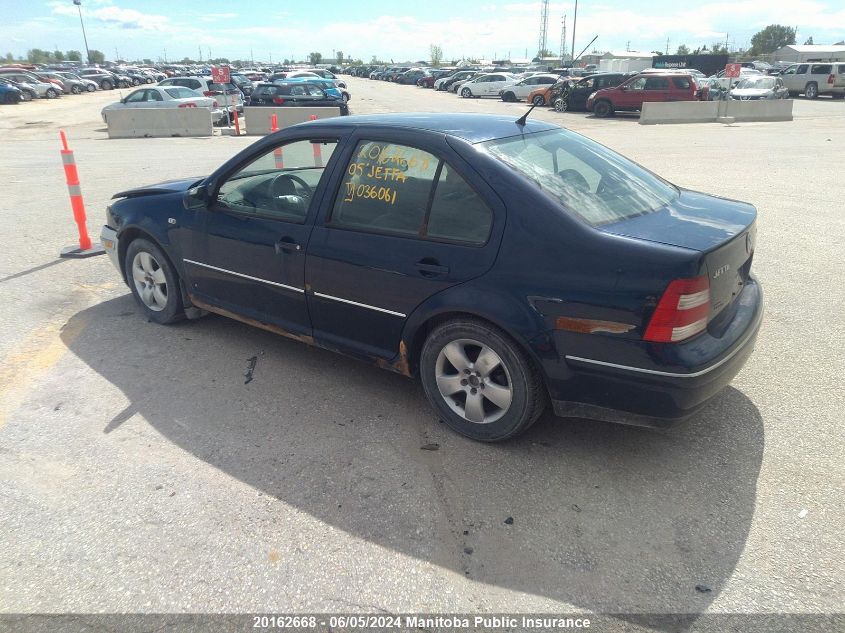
[196,197]
[623,88]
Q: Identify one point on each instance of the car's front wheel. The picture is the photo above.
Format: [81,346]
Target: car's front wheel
[75,89]
[561,104]
[603,109]
[811,91]
[539,100]
[11,98]
[480,382]
[91,88]
[51,93]
[153,281]
[107,85]
[466,93]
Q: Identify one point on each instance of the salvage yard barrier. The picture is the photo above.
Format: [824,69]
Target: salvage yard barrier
[158,122]
[716,111]
[257,118]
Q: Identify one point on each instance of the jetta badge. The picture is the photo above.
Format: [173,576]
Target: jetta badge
[721,271]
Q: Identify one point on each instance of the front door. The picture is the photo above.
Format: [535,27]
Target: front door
[408,219]
[250,255]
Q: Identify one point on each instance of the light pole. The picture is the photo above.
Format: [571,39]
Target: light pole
[574,24]
[78,4]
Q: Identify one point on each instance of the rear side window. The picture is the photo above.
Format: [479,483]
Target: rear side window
[841,69]
[681,82]
[821,69]
[390,188]
[657,83]
[588,180]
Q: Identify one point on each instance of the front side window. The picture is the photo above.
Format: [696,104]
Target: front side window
[802,69]
[637,84]
[589,180]
[391,188]
[279,183]
[136,96]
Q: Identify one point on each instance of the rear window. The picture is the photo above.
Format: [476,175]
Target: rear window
[265,91]
[180,92]
[221,87]
[589,180]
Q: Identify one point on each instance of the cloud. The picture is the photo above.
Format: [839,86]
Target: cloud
[213,17]
[108,13]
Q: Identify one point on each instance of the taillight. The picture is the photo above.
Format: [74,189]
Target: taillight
[214,104]
[187,105]
[831,79]
[681,312]
[278,100]
[207,93]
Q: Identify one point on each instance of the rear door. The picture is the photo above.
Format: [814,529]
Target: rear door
[404,219]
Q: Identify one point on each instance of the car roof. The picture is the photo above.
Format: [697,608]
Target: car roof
[474,128]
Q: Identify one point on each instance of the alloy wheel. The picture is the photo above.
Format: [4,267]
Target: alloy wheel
[473,381]
[150,281]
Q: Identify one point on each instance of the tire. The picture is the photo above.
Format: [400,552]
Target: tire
[75,89]
[154,283]
[811,90]
[539,100]
[136,82]
[51,93]
[107,85]
[514,379]
[149,80]
[509,97]
[466,93]
[25,96]
[91,88]
[11,98]
[603,109]
[561,104]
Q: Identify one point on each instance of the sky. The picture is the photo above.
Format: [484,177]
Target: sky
[269,30]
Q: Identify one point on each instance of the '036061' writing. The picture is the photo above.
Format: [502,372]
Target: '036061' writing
[385,194]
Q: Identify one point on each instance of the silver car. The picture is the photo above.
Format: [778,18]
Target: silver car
[755,88]
[43,89]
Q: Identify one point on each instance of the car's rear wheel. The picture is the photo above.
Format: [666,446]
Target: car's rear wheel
[480,382]
[76,89]
[509,96]
[11,98]
[107,85]
[811,91]
[539,100]
[91,88]
[154,283]
[26,96]
[602,109]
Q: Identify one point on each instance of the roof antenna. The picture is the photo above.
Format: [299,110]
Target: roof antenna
[524,118]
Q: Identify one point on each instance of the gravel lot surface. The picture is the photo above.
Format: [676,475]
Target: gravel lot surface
[139,473]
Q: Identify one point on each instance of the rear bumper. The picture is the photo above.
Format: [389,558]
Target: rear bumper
[670,386]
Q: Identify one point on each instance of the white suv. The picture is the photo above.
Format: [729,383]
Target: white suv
[821,78]
[205,85]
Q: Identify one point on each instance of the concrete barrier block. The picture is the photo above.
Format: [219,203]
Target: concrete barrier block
[679,112]
[257,118]
[158,122]
[762,110]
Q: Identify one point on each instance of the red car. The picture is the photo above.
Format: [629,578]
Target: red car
[631,94]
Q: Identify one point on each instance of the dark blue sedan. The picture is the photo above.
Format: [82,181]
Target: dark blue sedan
[510,265]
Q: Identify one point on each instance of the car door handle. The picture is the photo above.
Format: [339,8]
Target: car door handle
[287,245]
[430,267]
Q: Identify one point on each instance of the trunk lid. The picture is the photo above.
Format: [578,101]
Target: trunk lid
[723,230]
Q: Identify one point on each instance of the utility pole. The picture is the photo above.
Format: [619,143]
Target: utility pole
[667,45]
[199,48]
[78,4]
[563,40]
[574,24]
[544,28]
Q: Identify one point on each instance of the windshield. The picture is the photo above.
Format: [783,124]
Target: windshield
[591,181]
[757,82]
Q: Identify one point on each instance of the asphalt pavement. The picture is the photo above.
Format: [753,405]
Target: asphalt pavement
[139,473]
